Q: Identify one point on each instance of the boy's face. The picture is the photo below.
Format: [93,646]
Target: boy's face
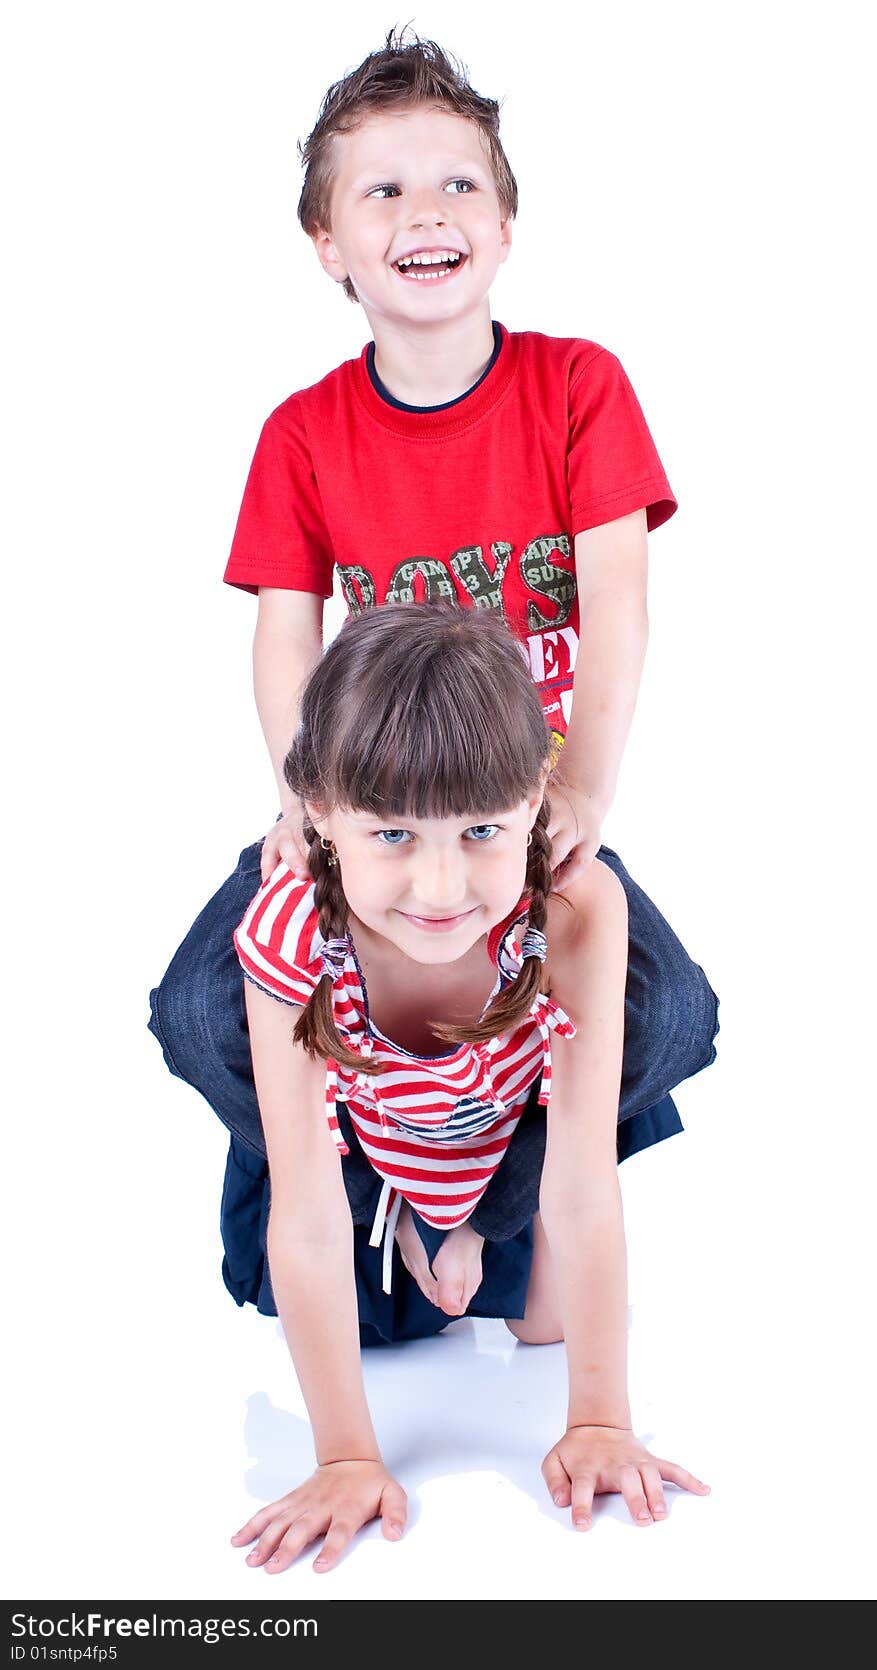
[407,181]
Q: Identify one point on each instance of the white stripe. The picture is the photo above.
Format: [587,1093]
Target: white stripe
[392,1078]
[403,1072]
[272,911]
[454,1172]
[446,1220]
[453,1207]
[452,1191]
[524,1077]
[403,1084]
[504,1064]
[456,1179]
[393,1082]
[291,981]
[294,930]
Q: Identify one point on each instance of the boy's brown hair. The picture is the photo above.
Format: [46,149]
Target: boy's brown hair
[398,76]
[420,710]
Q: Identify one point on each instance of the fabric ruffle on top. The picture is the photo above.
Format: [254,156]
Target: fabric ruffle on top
[434,1128]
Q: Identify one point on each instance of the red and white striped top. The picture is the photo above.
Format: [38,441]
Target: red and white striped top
[434,1128]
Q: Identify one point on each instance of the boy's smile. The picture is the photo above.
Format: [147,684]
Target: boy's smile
[416,219]
[429,266]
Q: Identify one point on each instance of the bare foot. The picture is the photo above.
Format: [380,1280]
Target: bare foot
[457,1267]
[413,1254]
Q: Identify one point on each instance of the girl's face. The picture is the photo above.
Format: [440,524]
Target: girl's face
[432,886]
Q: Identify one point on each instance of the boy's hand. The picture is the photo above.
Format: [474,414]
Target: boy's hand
[573,829]
[338,1498]
[455,1275]
[285,842]
[590,1460]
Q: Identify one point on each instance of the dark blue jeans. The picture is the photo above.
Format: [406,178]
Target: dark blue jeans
[671,1020]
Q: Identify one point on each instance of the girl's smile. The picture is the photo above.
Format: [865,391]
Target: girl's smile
[439,924]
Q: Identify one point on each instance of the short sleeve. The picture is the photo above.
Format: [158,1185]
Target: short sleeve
[278,942]
[501,947]
[281,537]
[613,466]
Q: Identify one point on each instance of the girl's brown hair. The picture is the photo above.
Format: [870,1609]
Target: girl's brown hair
[420,710]
[398,76]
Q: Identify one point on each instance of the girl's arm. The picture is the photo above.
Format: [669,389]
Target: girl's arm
[310,1234]
[581,1210]
[580,1198]
[310,1256]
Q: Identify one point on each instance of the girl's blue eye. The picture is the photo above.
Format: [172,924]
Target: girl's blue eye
[481,834]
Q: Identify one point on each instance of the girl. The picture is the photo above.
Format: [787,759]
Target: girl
[442,998]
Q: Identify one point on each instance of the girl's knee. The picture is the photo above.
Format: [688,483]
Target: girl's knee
[671,1018]
[199,1019]
[694,1008]
[535,1332]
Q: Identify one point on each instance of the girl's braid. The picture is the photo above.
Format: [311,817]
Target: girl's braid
[513,1002]
[316,1029]
[538,882]
[539,874]
[331,904]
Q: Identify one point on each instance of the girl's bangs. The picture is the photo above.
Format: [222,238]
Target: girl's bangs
[437,754]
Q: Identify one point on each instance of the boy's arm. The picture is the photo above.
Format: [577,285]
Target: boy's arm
[612,581]
[310,1235]
[287,645]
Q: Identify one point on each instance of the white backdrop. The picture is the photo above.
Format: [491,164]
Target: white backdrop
[694,185]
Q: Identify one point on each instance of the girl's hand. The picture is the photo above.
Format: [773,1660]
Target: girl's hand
[338,1498]
[456,1269]
[594,1459]
[285,841]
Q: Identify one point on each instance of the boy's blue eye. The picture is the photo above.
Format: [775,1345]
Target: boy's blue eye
[483,831]
[388,186]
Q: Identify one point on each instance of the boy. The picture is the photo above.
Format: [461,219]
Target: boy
[452,460]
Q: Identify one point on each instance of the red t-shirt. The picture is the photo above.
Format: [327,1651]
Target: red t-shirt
[477,501]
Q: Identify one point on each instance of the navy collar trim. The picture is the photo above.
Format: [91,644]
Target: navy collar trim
[381,388]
